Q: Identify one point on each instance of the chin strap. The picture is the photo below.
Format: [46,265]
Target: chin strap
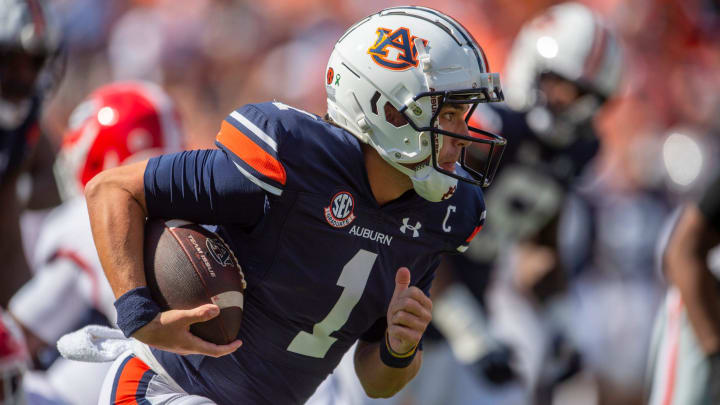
[428,183]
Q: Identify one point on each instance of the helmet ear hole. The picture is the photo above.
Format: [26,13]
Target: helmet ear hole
[393,116]
[374,101]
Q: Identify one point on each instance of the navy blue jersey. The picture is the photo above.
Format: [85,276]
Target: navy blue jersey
[709,204]
[16,143]
[289,192]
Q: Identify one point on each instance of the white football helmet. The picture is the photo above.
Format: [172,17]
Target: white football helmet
[413,60]
[28,29]
[570,41]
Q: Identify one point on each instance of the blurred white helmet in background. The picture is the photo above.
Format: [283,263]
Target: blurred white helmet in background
[570,41]
[412,60]
[27,28]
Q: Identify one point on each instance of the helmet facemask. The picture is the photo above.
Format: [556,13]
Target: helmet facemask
[487,148]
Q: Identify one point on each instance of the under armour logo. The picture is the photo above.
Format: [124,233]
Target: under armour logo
[414,229]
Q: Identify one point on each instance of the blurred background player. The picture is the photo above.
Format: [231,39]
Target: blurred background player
[563,67]
[685,354]
[29,43]
[118,123]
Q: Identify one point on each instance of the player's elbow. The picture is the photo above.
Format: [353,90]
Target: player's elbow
[116,185]
[101,189]
[94,188]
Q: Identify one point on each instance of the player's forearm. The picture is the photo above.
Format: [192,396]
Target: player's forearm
[698,289]
[117,217]
[377,379]
[686,267]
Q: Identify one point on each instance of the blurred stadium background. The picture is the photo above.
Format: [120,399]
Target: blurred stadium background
[659,137]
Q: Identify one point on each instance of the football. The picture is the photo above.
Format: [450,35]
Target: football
[187,266]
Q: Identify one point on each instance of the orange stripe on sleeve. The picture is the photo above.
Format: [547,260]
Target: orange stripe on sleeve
[129,381]
[251,153]
[472,235]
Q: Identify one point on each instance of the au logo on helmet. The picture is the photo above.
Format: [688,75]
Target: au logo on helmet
[395,50]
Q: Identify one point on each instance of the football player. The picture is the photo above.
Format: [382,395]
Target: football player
[117,124]
[685,351]
[338,223]
[29,42]
[563,67]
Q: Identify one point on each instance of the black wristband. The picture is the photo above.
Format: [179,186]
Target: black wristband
[135,309]
[395,360]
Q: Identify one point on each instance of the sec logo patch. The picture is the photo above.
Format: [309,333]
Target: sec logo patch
[339,213]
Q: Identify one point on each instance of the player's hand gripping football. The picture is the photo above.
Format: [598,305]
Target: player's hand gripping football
[408,315]
[170,331]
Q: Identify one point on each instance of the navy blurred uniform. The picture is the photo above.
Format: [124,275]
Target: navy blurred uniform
[526,201]
[284,180]
[563,66]
[529,190]
[29,44]
[17,143]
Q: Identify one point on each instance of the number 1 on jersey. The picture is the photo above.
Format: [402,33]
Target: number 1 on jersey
[353,279]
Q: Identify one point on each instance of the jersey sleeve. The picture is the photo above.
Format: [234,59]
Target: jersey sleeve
[202,186]
[464,246]
[251,140]
[710,204]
